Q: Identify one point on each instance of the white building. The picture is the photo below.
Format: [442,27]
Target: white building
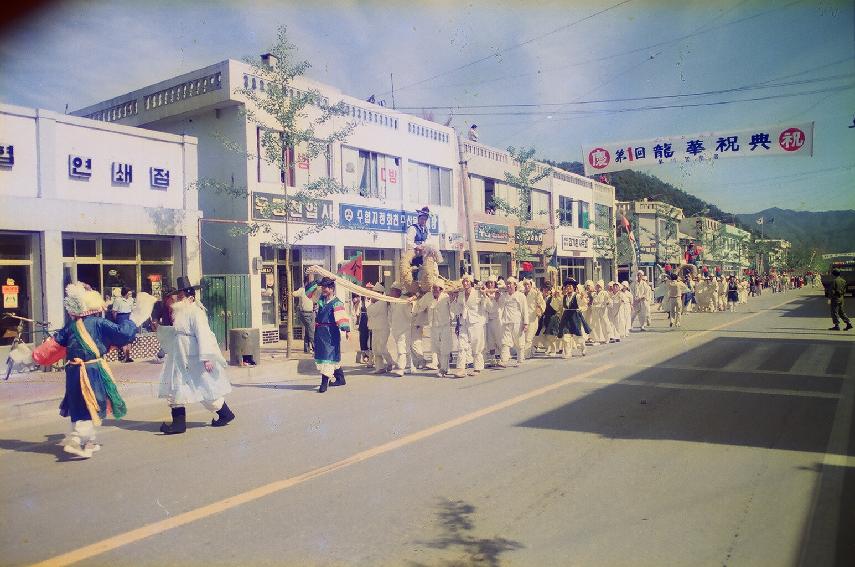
[569,212]
[656,227]
[104,204]
[724,245]
[394,163]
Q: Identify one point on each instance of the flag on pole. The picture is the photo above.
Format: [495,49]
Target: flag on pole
[760,220]
[625,223]
[553,262]
[352,270]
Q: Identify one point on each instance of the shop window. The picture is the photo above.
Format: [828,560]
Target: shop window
[373,255]
[118,276]
[565,211]
[584,215]
[268,253]
[118,249]
[67,247]
[15,247]
[89,274]
[85,248]
[155,250]
[8,326]
[489,196]
[154,278]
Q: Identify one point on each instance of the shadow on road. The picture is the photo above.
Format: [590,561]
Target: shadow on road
[757,403]
[455,518]
[269,386]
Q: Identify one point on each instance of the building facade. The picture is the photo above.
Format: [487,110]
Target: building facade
[392,164]
[105,204]
[656,227]
[724,246]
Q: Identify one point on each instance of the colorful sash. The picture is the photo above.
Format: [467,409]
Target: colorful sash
[115,404]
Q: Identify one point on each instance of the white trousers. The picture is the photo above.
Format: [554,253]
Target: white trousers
[529,337]
[513,336]
[441,345]
[642,313]
[380,347]
[417,353]
[493,338]
[402,350]
[471,346]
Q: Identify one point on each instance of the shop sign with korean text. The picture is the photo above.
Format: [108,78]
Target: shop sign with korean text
[485,232]
[783,140]
[574,243]
[523,235]
[272,207]
[389,220]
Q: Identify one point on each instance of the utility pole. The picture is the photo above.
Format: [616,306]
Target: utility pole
[467,206]
[392,81]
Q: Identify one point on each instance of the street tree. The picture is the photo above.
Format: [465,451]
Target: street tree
[296,125]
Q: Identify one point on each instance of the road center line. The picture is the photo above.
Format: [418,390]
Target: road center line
[219,506]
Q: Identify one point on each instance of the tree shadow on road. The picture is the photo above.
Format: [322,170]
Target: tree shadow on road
[456,521]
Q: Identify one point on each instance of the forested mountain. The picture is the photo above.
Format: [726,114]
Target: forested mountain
[826,232]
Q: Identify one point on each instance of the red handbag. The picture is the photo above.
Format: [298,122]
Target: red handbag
[48,352]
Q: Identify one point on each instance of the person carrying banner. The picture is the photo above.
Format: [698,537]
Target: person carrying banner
[331,320]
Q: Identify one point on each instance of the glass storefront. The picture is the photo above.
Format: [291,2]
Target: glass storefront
[275,305]
[378,264]
[572,268]
[108,264]
[493,264]
[16,265]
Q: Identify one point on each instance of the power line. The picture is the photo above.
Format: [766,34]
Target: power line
[632,99]
[661,107]
[515,46]
[700,30]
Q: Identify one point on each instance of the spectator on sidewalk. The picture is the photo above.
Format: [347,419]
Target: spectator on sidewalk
[836,291]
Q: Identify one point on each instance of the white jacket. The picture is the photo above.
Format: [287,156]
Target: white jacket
[400,317]
[513,307]
[438,310]
[378,315]
[472,310]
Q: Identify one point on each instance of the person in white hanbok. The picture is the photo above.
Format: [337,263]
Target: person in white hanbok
[601,328]
[625,314]
[194,370]
[642,296]
[469,311]
[378,324]
[437,306]
[513,308]
[493,330]
[400,328]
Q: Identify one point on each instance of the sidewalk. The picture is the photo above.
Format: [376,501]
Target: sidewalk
[30,393]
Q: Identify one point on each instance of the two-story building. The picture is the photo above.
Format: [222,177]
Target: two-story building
[392,164]
[105,204]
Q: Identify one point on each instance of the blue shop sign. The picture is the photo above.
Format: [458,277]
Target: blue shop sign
[391,220]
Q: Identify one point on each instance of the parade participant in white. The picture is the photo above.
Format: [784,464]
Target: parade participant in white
[601,328]
[625,314]
[641,298]
[536,308]
[194,369]
[493,330]
[674,293]
[513,308]
[469,308]
[400,328]
[378,323]
[437,306]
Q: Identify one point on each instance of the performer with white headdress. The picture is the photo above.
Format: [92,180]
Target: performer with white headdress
[536,307]
[90,388]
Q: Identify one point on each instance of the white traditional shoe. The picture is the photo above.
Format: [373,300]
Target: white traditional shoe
[73,447]
[92,446]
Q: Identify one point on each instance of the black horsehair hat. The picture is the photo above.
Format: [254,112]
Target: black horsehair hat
[327,282]
[183,284]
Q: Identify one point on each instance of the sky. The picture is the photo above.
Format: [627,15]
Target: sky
[471,60]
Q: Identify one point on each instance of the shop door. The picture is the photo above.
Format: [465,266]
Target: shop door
[226,298]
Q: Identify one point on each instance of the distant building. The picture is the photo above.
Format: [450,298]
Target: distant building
[724,245]
[657,229]
[772,254]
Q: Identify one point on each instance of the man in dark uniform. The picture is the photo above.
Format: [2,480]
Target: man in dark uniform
[836,291]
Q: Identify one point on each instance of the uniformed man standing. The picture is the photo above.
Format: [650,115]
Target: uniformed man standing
[836,291]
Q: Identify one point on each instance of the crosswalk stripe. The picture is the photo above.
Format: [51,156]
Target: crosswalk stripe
[817,356]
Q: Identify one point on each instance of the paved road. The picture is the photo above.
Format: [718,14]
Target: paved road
[726,442]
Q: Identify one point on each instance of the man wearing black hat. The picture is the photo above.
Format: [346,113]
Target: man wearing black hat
[194,368]
[330,321]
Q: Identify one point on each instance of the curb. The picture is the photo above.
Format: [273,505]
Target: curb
[268,371]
